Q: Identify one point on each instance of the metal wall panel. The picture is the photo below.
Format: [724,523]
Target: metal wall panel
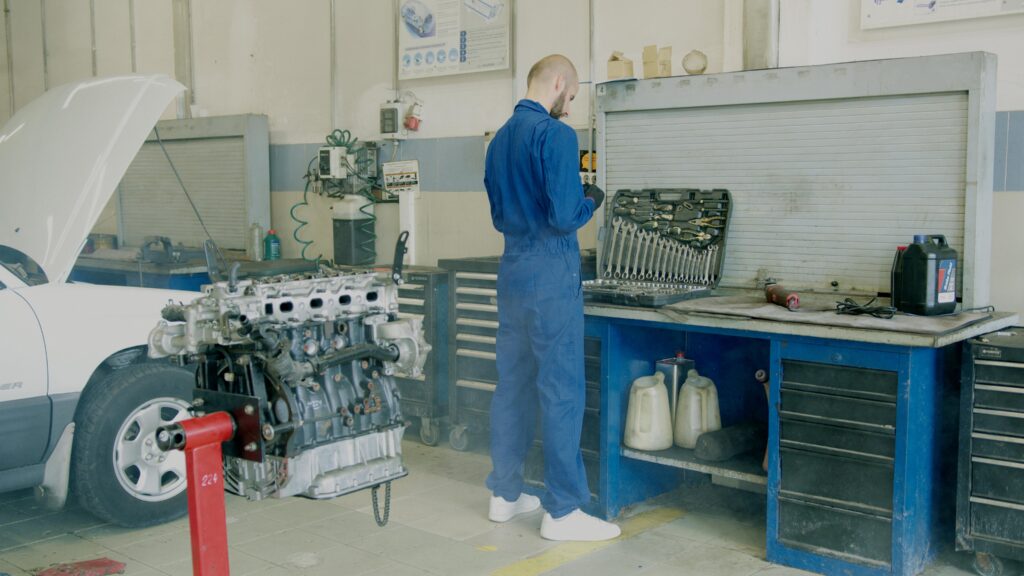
[224,162]
[824,190]
[152,202]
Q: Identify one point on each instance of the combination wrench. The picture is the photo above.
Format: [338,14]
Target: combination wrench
[616,225]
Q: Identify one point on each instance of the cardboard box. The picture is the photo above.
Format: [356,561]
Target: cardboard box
[619,66]
[650,53]
[652,70]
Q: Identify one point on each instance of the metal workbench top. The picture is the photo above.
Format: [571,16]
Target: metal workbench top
[903,330]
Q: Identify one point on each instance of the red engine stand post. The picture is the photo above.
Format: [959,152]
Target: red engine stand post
[201,438]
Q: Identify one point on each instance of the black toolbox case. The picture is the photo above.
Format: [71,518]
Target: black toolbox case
[660,246]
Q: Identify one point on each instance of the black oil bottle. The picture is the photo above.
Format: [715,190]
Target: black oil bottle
[924,277]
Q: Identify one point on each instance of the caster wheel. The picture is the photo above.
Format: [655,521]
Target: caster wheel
[430,432]
[987,564]
[459,438]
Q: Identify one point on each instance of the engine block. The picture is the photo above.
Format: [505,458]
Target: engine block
[305,365]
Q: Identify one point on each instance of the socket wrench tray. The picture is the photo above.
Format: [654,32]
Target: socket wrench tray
[660,246]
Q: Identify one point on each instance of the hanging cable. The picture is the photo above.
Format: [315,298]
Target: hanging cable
[220,255]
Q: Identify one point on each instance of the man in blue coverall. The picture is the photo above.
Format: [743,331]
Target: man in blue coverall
[537,202]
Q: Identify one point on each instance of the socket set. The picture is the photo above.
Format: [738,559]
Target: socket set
[661,245]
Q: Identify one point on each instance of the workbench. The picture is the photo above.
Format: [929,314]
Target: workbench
[861,427]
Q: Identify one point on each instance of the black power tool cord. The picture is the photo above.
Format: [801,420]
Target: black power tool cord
[854,308]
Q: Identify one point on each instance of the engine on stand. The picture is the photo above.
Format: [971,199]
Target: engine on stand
[304,364]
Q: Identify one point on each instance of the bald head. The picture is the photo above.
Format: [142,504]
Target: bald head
[548,67]
[553,83]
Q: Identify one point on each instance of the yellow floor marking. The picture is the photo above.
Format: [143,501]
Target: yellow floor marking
[569,551]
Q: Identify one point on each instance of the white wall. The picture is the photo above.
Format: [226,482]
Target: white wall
[272,57]
[820,32]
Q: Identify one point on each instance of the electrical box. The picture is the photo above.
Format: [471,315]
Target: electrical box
[333,163]
[391,121]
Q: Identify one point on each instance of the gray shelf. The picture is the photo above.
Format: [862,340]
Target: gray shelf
[745,467]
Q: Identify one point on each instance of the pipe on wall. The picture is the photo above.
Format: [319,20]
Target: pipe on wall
[760,34]
[10,50]
[183,66]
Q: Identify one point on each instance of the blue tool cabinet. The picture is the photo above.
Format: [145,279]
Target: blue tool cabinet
[861,434]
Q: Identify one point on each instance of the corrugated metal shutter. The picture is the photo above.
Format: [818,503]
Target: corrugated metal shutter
[214,171]
[851,178]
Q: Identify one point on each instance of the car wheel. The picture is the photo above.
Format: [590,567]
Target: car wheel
[118,472]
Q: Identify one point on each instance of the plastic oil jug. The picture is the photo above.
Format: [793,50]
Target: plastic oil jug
[697,411]
[648,417]
[271,246]
[924,276]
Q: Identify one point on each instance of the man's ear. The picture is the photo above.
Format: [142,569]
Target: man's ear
[559,84]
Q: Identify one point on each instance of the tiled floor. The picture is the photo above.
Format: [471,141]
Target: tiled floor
[438,527]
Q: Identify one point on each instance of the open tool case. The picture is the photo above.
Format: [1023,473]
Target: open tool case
[661,245]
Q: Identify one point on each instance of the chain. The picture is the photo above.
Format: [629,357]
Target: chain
[387,503]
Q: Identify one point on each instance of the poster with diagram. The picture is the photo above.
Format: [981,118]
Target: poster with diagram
[444,37]
[889,13]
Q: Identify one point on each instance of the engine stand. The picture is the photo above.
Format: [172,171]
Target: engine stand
[201,440]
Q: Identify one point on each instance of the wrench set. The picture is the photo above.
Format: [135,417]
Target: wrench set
[661,246]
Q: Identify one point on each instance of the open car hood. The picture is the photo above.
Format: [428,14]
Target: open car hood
[63,155]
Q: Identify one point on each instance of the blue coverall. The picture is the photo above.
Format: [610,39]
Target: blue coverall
[537,202]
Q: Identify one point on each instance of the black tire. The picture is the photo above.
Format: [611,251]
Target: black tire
[988,565]
[430,432]
[459,438]
[153,389]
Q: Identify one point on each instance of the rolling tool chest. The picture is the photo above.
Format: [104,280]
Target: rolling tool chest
[990,481]
[473,321]
[424,294]
[661,245]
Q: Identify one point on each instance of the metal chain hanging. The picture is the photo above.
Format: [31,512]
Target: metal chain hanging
[387,504]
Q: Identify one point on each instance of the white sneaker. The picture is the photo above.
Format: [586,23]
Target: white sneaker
[577,526]
[502,510]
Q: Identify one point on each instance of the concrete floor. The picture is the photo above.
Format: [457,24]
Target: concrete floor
[438,527]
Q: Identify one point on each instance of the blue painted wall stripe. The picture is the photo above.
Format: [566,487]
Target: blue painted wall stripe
[1002,133]
[1015,152]
[457,164]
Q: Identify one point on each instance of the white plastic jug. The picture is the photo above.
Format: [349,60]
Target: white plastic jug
[649,416]
[697,411]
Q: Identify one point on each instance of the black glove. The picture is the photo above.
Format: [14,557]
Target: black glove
[594,193]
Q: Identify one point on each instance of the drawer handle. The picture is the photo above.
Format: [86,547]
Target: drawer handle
[410,302]
[475,276]
[477,323]
[1004,413]
[472,384]
[477,354]
[477,307]
[1002,463]
[999,364]
[996,503]
[1006,389]
[1008,439]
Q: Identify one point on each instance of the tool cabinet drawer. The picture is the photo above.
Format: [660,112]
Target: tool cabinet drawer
[838,410]
[1001,422]
[476,342]
[820,529]
[474,365]
[996,521]
[997,480]
[836,440]
[999,397]
[994,372]
[839,380]
[997,447]
[843,482]
[476,327]
[475,311]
